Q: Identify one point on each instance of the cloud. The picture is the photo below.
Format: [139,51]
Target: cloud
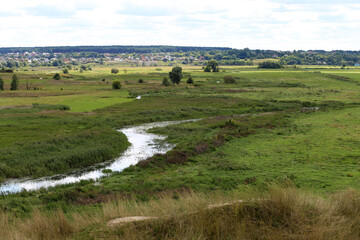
[49,11]
[257,24]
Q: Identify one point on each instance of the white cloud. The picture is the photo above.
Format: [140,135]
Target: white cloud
[260,24]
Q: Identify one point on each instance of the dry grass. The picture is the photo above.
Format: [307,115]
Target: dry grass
[281,213]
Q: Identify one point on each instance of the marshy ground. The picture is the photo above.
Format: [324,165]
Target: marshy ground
[295,129]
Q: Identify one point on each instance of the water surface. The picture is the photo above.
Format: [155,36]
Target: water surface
[143,146]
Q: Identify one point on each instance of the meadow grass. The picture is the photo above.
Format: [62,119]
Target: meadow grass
[277,213]
[293,127]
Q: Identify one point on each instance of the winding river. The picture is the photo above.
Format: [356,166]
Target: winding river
[143,146]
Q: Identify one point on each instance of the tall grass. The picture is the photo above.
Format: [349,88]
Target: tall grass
[280,213]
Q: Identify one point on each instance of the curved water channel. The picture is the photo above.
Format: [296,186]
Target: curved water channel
[143,145]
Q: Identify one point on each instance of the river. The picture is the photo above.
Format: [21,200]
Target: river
[143,146]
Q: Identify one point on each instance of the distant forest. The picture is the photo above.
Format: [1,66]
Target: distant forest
[109,49]
[225,56]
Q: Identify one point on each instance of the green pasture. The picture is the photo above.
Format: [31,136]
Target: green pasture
[286,126]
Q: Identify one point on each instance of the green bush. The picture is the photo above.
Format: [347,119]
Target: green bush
[57,76]
[228,79]
[114,70]
[1,84]
[116,85]
[270,64]
[166,82]
[190,80]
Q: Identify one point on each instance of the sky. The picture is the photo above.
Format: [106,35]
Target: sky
[254,24]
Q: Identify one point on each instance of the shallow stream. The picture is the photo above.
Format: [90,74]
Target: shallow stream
[143,146]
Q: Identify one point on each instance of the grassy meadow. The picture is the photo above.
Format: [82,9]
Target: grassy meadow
[288,138]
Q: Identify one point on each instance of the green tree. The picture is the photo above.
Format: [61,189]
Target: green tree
[176,75]
[116,85]
[14,83]
[212,65]
[65,71]
[57,76]
[1,84]
[207,69]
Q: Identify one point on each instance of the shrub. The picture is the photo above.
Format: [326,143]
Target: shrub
[166,82]
[140,80]
[65,71]
[9,70]
[270,64]
[114,70]
[116,85]
[190,80]
[228,79]
[1,84]
[57,76]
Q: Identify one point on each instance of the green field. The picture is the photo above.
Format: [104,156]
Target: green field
[289,127]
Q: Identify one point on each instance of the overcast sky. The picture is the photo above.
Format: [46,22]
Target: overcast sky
[256,24]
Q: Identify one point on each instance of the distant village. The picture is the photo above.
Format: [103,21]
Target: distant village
[156,56]
[11,60]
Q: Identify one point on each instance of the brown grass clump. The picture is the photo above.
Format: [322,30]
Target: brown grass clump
[280,213]
[285,213]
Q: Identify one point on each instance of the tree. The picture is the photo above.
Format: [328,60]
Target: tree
[212,65]
[14,83]
[116,85]
[207,69]
[166,82]
[176,75]
[28,85]
[114,70]
[65,71]
[57,76]
[141,80]
[190,80]
[1,84]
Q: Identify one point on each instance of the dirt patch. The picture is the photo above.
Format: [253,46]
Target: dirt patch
[125,220]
